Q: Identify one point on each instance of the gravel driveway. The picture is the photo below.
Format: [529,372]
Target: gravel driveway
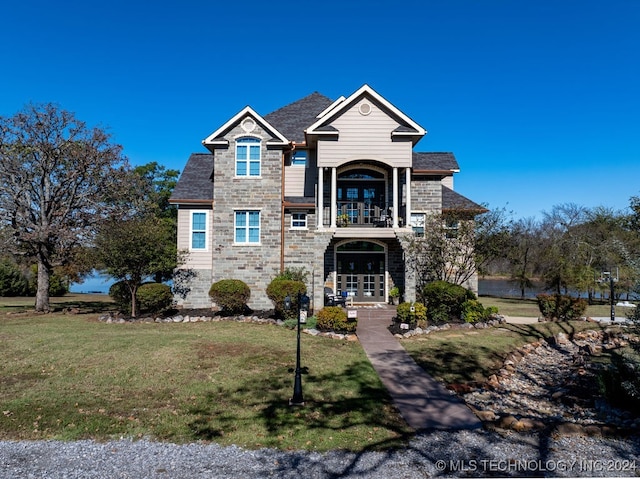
[436,454]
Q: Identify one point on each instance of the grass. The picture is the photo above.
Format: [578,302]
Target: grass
[471,356]
[71,377]
[529,308]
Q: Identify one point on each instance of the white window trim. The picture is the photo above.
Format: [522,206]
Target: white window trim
[306,220]
[246,243]
[248,160]
[206,231]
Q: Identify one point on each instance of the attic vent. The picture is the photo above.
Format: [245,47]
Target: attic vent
[248,125]
[364,108]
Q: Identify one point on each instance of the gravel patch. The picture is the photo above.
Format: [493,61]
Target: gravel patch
[435,454]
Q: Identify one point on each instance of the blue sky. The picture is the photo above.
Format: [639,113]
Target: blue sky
[538,100]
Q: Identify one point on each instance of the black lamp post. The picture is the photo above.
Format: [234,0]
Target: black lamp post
[607,275]
[302,309]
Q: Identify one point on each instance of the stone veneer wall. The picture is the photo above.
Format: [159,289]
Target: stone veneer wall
[306,248]
[198,297]
[426,194]
[255,264]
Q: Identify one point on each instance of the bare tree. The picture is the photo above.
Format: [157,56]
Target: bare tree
[57,177]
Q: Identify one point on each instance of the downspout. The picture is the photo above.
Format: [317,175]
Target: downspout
[293,147]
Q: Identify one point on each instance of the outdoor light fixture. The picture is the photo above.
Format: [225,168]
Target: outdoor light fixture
[606,276]
[302,311]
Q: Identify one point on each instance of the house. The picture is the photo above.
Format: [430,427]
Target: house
[331,186]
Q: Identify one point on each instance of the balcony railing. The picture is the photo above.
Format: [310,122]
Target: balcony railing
[360,214]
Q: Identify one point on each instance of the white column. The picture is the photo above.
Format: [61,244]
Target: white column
[395,197]
[334,196]
[407,192]
[320,202]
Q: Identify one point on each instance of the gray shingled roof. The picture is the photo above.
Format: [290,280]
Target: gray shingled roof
[293,119]
[195,183]
[455,201]
[437,161]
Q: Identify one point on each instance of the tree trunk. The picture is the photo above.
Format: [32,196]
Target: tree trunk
[42,290]
[134,306]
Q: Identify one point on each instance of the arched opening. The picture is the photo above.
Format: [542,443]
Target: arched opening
[361,194]
[361,270]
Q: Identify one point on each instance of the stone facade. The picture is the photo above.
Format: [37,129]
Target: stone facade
[361,147]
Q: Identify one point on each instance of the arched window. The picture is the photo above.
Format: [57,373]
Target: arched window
[248,157]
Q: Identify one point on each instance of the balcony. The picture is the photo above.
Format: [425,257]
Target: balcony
[356,219]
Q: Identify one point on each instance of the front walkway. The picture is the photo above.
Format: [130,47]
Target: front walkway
[422,401]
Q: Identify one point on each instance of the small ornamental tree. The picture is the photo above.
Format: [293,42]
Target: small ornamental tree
[135,249]
[231,295]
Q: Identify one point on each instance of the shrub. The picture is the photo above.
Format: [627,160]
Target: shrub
[294,274]
[154,297]
[12,281]
[473,311]
[334,318]
[560,307]
[279,289]
[417,317]
[444,301]
[231,295]
[120,294]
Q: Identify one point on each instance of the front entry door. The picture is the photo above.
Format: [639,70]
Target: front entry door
[361,275]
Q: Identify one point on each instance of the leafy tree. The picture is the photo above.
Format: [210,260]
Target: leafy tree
[156,185]
[134,249]
[454,246]
[160,183]
[56,179]
[522,250]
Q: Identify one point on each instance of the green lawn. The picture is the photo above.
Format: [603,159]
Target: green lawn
[69,377]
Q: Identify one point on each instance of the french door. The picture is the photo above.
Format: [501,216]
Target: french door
[361,275]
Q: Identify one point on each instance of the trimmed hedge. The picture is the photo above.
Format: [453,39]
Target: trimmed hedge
[559,307]
[120,294]
[231,295]
[154,297]
[444,301]
[334,318]
[279,289]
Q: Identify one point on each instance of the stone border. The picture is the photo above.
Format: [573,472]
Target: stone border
[109,318]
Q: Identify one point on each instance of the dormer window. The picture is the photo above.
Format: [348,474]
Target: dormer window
[248,157]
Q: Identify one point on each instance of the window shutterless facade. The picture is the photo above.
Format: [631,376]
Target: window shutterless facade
[198,231]
[247,227]
[248,157]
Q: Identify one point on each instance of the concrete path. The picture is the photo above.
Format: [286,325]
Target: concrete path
[422,401]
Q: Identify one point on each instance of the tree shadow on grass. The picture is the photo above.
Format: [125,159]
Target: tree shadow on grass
[363,404]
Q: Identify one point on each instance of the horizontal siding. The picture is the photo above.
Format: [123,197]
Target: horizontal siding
[448,182]
[294,181]
[196,259]
[366,137]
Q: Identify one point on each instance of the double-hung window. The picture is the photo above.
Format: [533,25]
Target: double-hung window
[299,220]
[198,230]
[248,157]
[247,227]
